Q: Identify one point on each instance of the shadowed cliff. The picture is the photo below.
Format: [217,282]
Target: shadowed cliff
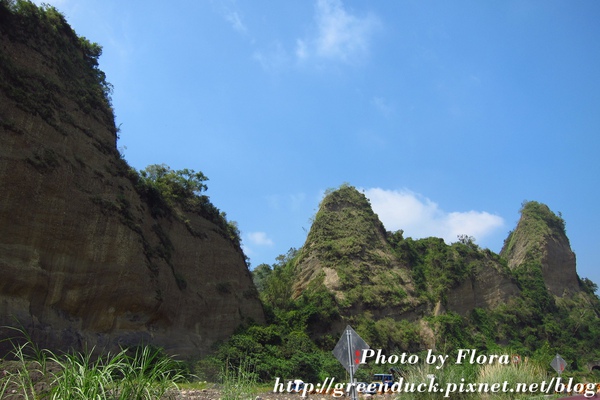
[90,254]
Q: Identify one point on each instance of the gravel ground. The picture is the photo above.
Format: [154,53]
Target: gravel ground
[214,394]
[41,385]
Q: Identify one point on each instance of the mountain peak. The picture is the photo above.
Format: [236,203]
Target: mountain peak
[540,240]
[345,226]
[347,250]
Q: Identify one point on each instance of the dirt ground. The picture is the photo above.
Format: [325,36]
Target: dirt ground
[41,385]
[214,394]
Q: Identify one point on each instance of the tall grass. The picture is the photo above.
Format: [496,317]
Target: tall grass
[479,377]
[527,373]
[424,373]
[143,374]
[148,374]
[238,383]
[82,378]
[20,378]
[3,386]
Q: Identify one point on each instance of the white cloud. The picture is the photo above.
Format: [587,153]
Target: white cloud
[259,239]
[420,217]
[228,9]
[340,35]
[236,22]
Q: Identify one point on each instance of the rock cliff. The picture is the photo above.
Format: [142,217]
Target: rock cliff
[370,269]
[488,288]
[86,258]
[540,239]
[347,245]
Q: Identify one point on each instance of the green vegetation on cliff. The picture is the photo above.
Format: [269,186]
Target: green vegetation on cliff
[347,236]
[398,294]
[168,191]
[537,221]
[46,29]
[345,228]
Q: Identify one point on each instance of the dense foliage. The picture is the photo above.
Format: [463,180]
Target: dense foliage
[170,191]
[45,29]
[381,274]
[303,327]
[285,347]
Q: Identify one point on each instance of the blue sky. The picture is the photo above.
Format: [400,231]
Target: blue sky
[447,114]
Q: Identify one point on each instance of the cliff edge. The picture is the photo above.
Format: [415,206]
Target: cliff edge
[540,239]
[89,256]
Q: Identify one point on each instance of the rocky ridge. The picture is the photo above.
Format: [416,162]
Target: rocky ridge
[91,258]
[370,270]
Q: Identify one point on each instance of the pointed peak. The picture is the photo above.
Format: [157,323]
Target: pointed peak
[540,239]
[344,196]
[347,251]
[537,223]
[345,220]
[542,219]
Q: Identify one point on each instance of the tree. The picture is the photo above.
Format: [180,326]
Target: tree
[175,186]
[277,287]
[260,275]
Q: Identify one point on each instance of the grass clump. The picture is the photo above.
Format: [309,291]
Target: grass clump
[141,374]
[238,382]
[468,381]
[425,373]
[515,374]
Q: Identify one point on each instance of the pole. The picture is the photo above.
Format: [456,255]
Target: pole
[351,361]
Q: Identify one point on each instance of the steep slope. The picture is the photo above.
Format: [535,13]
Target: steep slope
[540,239]
[404,294]
[347,247]
[371,269]
[89,255]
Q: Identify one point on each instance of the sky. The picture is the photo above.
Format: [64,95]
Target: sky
[447,115]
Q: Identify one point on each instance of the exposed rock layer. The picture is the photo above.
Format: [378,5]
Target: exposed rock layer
[85,260]
[540,239]
[348,239]
[488,288]
[348,248]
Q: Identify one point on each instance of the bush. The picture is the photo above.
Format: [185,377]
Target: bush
[171,191]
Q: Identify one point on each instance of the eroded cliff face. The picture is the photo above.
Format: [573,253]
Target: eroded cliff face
[347,247]
[488,288]
[540,239]
[369,269]
[85,259]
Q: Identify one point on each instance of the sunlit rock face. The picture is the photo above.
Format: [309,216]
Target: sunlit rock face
[540,239]
[86,260]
